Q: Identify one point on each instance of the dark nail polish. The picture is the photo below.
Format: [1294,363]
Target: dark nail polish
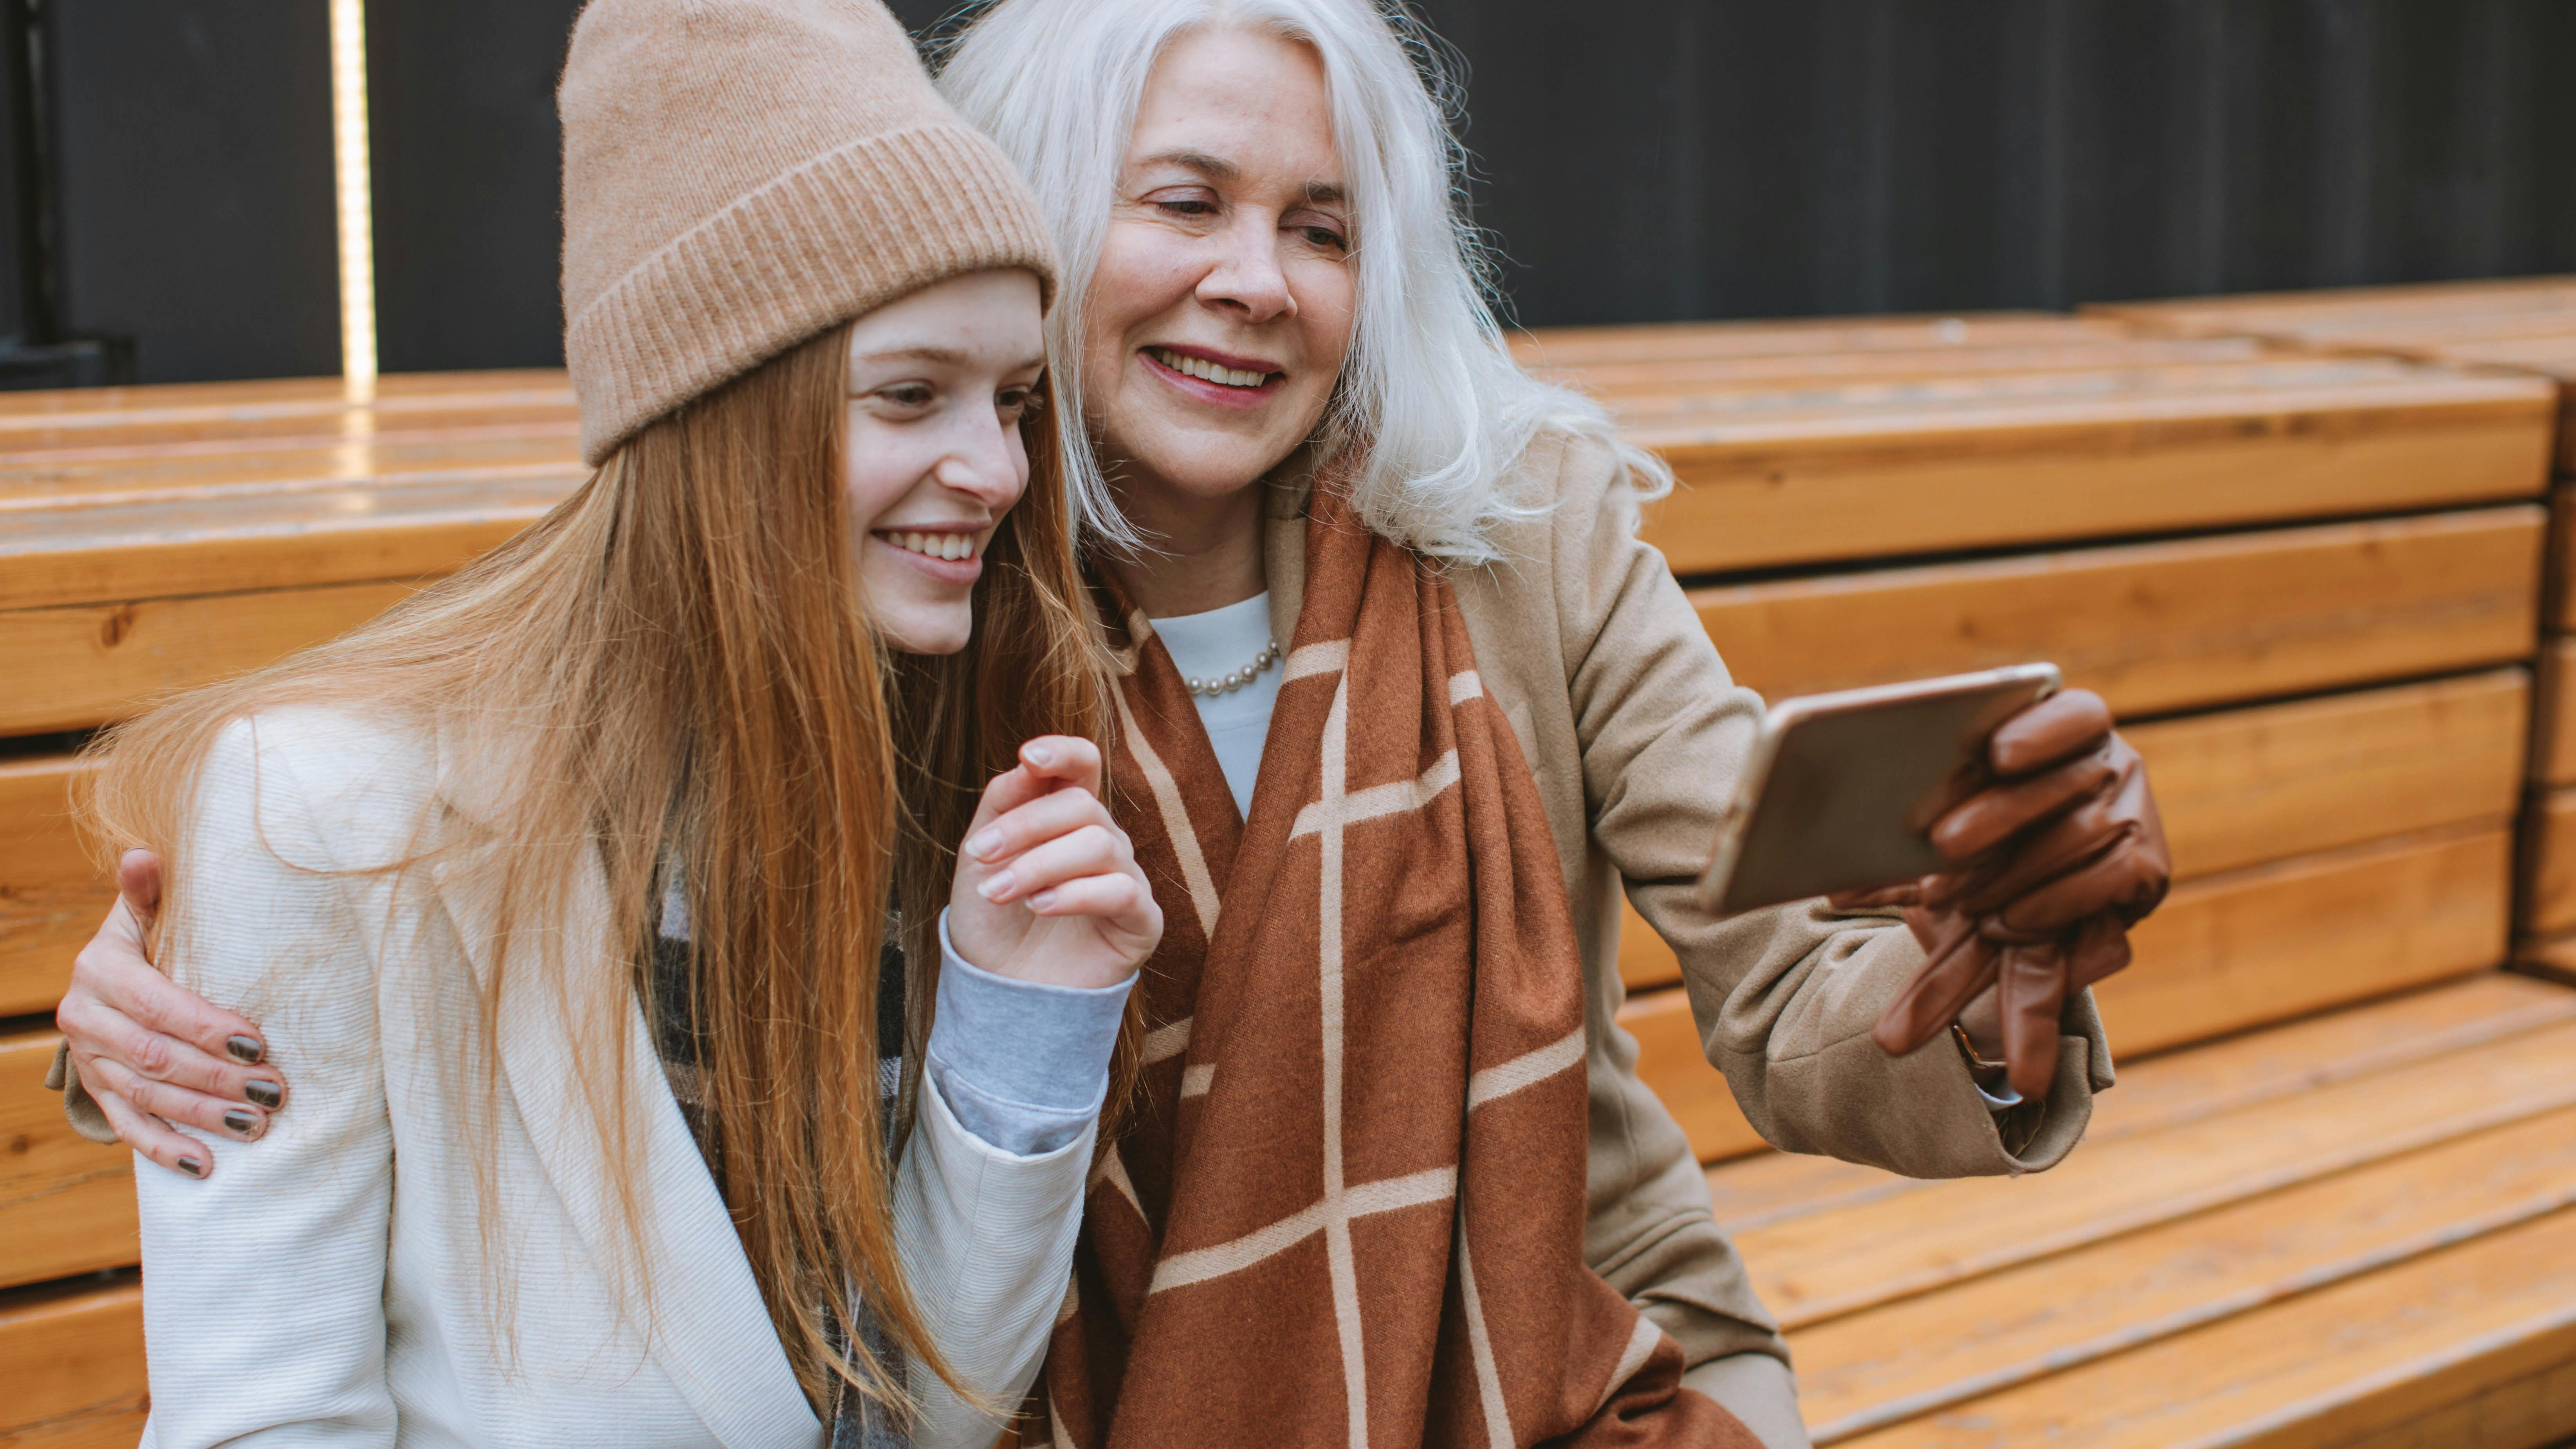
[239,1122]
[245,1049]
[192,1167]
[263,1094]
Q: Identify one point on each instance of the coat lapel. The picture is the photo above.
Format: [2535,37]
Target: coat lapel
[709,1330]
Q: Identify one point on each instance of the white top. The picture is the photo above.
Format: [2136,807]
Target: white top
[1217,643]
[329,1283]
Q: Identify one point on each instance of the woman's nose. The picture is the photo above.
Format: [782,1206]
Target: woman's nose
[985,464]
[1248,278]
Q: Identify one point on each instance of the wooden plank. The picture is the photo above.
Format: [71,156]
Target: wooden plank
[71,1367]
[2558,609]
[2162,627]
[2256,946]
[122,552]
[171,475]
[1762,502]
[2362,1358]
[2247,786]
[2186,1086]
[1825,1265]
[51,896]
[1581,346]
[2296,314]
[394,392]
[2549,864]
[1613,381]
[1671,1061]
[2553,722]
[78,667]
[66,1203]
[2253,785]
[1923,1354]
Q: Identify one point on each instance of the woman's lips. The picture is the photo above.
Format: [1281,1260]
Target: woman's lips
[1218,394]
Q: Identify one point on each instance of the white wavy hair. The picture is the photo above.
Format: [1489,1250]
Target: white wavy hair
[1428,381]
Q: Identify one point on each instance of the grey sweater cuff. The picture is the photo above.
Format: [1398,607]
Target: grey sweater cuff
[1024,1065]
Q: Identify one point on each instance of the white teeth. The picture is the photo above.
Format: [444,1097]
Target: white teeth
[1209,371]
[934,545]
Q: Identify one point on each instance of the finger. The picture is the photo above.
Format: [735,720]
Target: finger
[159,1144]
[1112,896]
[2101,948]
[2031,982]
[1047,764]
[1904,894]
[101,1033]
[173,1104]
[1092,850]
[1036,822]
[1998,812]
[2073,839]
[2120,878]
[114,968]
[1936,995]
[138,883]
[2064,724]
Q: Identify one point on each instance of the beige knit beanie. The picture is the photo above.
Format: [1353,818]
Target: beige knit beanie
[742,174]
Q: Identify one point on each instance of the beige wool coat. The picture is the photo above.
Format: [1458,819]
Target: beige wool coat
[1636,735]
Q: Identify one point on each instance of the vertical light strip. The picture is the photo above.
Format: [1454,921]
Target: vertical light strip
[356,197]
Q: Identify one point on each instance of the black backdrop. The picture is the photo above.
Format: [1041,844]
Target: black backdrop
[169,171]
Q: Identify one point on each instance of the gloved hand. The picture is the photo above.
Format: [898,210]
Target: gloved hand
[2052,863]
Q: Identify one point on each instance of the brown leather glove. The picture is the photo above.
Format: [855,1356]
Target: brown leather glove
[2055,861]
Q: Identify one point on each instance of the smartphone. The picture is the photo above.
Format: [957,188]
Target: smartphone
[1842,789]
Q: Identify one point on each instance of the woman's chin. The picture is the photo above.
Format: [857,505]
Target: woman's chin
[932,630]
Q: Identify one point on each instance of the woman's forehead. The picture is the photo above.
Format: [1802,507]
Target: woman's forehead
[1238,104]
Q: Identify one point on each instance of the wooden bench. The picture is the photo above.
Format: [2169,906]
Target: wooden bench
[152,539]
[2311,586]
[2523,327]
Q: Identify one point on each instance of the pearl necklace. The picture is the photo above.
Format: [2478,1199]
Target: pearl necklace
[1229,683]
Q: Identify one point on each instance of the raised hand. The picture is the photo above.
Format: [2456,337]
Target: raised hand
[1047,885]
[2054,862]
[152,1052]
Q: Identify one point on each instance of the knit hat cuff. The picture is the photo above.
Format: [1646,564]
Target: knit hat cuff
[838,236]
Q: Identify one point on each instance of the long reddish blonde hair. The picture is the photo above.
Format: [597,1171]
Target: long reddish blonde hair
[677,663]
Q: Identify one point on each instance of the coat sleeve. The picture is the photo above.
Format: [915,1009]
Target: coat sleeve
[263,1285]
[1784,998]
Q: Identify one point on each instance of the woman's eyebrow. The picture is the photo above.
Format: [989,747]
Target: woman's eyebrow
[1217,168]
[940,356]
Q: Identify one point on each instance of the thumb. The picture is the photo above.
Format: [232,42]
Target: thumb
[138,880]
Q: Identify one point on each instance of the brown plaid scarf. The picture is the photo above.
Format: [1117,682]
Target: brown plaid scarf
[1349,1207]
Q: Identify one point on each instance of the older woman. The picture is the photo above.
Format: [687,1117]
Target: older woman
[1397,672]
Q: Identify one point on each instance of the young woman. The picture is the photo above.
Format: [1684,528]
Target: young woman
[564,886]
[1303,455]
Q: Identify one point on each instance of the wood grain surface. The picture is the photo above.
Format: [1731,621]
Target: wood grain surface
[2162,627]
[2549,864]
[66,1203]
[51,896]
[71,1366]
[78,667]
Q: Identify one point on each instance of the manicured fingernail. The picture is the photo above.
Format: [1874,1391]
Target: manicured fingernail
[1042,900]
[997,885]
[239,1122]
[985,845]
[192,1167]
[245,1049]
[263,1094]
[1041,755]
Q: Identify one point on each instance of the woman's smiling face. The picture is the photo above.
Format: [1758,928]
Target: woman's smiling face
[939,381]
[1220,312]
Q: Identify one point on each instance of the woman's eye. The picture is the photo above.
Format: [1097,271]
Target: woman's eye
[908,394]
[1187,206]
[1324,236]
[1017,402]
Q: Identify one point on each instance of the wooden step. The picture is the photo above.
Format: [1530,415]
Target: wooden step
[2466,1348]
[202,419]
[79,667]
[2224,953]
[2162,627]
[2275,941]
[121,552]
[1789,475]
[2246,786]
[2549,864]
[394,392]
[2553,724]
[1829,1264]
[66,1203]
[2185,1086]
[1555,347]
[57,479]
[2024,1324]
[51,896]
[1617,381]
[71,1366]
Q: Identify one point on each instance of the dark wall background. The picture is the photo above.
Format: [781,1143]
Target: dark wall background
[168,177]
